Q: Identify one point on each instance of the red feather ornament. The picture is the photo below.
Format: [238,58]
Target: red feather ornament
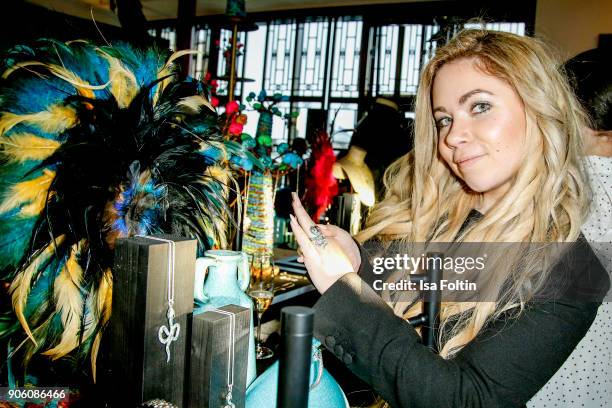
[321,185]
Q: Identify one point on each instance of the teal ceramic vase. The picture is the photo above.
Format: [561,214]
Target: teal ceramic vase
[324,390]
[222,277]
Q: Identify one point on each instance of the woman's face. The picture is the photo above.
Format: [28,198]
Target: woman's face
[481,126]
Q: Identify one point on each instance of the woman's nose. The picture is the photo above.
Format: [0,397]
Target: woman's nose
[458,134]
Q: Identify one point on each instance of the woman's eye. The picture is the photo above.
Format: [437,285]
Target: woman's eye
[443,122]
[481,107]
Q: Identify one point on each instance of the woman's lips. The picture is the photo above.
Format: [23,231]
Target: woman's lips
[470,161]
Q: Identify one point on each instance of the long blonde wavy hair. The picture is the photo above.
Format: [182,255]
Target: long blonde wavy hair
[425,202]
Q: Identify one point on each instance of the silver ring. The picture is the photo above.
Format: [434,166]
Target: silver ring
[157,403]
[317,237]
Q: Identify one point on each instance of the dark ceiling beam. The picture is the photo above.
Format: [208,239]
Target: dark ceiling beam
[398,13]
[184,27]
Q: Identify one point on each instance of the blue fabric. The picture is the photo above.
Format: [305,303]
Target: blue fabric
[327,394]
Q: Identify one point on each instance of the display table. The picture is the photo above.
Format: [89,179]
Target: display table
[293,280]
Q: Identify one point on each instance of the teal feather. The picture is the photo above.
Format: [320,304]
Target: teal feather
[15,235]
[8,323]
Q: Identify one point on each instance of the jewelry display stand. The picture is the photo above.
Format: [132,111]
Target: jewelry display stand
[149,333]
[219,351]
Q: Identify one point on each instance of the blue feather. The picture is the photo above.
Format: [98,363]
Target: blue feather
[212,154]
[129,199]
[31,95]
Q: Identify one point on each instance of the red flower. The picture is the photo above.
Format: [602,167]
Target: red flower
[217,42]
[214,101]
[214,83]
[207,77]
[235,128]
[231,107]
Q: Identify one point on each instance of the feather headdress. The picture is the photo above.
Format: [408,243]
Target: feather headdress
[96,143]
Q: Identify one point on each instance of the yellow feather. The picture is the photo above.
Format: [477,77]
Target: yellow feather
[97,302]
[21,147]
[20,287]
[67,295]
[124,85]
[219,173]
[175,55]
[56,119]
[95,346]
[167,70]
[216,227]
[82,87]
[104,308]
[30,194]
[39,333]
[105,296]
[195,103]
[204,145]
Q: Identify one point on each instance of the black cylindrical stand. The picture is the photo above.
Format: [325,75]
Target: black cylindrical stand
[429,320]
[295,354]
[433,299]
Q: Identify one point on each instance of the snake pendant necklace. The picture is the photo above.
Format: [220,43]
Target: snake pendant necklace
[170,333]
[228,403]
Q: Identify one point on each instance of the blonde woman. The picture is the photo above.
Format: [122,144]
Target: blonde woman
[496,159]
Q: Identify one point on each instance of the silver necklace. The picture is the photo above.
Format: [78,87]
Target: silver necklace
[230,358]
[170,333]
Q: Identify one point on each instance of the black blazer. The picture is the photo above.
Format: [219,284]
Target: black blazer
[504,366]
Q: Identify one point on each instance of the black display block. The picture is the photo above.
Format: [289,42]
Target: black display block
[138,369]
[210,348]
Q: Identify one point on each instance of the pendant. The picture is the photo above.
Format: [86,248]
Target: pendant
[167,335]
[228,401]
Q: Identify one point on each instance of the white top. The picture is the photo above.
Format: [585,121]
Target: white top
[585,379]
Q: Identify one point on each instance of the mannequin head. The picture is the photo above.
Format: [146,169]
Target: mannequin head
[590,75]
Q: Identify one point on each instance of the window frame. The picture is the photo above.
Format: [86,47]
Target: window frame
[373,19]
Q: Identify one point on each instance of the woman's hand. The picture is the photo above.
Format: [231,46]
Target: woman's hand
[325,263]
[345,242]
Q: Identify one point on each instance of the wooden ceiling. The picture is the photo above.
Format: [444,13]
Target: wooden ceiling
[167,9]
